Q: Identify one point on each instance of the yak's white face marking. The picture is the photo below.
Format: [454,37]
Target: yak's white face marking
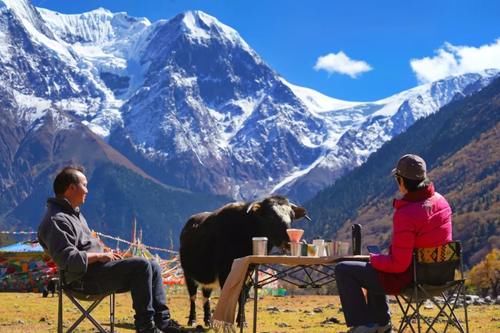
[285,213]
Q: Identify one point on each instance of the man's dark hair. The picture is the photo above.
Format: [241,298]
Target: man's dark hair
[413,185]
[66,177]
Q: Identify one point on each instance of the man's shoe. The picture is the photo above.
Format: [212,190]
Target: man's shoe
[170,326]
[171,323]
[363,329]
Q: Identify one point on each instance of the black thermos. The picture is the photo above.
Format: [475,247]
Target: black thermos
[356,239]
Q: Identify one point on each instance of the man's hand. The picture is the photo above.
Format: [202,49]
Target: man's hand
[93,257]
[116,255]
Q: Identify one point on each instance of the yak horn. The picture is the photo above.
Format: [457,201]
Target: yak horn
[250,207]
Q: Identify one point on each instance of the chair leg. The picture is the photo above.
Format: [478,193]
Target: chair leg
[60,308]
[112,312]
[417,305]
[447,309]
[441,310]
[411,312]
[454,321]
[405,309]
[465,313]
[86,314]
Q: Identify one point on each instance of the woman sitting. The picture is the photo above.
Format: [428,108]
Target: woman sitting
[422,218]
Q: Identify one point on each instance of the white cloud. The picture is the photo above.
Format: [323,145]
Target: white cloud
[454,60]
[341,63]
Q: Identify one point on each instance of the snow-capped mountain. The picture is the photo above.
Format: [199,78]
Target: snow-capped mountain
[192,104]
[367,126]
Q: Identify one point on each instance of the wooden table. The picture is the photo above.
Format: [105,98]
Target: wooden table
[300,271]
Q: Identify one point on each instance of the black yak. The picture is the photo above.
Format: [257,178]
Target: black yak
[210,241]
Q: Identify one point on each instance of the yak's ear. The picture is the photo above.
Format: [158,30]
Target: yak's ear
[253,207]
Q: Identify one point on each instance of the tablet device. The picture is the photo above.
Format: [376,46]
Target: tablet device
[373,249]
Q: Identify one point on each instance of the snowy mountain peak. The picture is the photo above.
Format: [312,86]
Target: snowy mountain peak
[189,94]
[99,11]
[25,12]
[200,27]
[94,27]
[22,8]
[316,101]
[28,19]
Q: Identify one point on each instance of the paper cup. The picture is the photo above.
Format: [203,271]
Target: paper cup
[295,249]
[342,248]
[312,250]
[320,243]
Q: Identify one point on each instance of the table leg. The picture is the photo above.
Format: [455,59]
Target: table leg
[255,297]
[242,310]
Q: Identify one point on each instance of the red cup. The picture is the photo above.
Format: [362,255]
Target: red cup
[295,234]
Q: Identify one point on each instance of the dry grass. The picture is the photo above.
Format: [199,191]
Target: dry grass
[27,312]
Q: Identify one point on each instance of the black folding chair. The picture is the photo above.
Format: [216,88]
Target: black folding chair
[434,280]
[75,296]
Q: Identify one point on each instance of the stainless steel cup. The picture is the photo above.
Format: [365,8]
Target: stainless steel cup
[295,249]
[330,249]
[259,246]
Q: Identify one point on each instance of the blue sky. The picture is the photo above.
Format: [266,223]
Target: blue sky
[352,50]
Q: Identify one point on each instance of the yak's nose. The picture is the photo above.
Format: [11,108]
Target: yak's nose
[300,212]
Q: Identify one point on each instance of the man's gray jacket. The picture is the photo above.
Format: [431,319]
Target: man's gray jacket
[65,235]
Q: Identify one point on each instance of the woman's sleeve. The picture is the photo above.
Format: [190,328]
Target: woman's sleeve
[403,241]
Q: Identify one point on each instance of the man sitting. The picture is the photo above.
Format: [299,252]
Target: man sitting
[93,269]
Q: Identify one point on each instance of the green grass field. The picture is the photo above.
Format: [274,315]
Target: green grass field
[28,312]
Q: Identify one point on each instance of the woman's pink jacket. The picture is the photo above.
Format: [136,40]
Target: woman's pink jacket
[421,219]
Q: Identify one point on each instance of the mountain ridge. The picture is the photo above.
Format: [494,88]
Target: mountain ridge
[186,102]
[364,195]
[211,117]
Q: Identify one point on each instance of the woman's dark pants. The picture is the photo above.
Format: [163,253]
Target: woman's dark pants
[351,276]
